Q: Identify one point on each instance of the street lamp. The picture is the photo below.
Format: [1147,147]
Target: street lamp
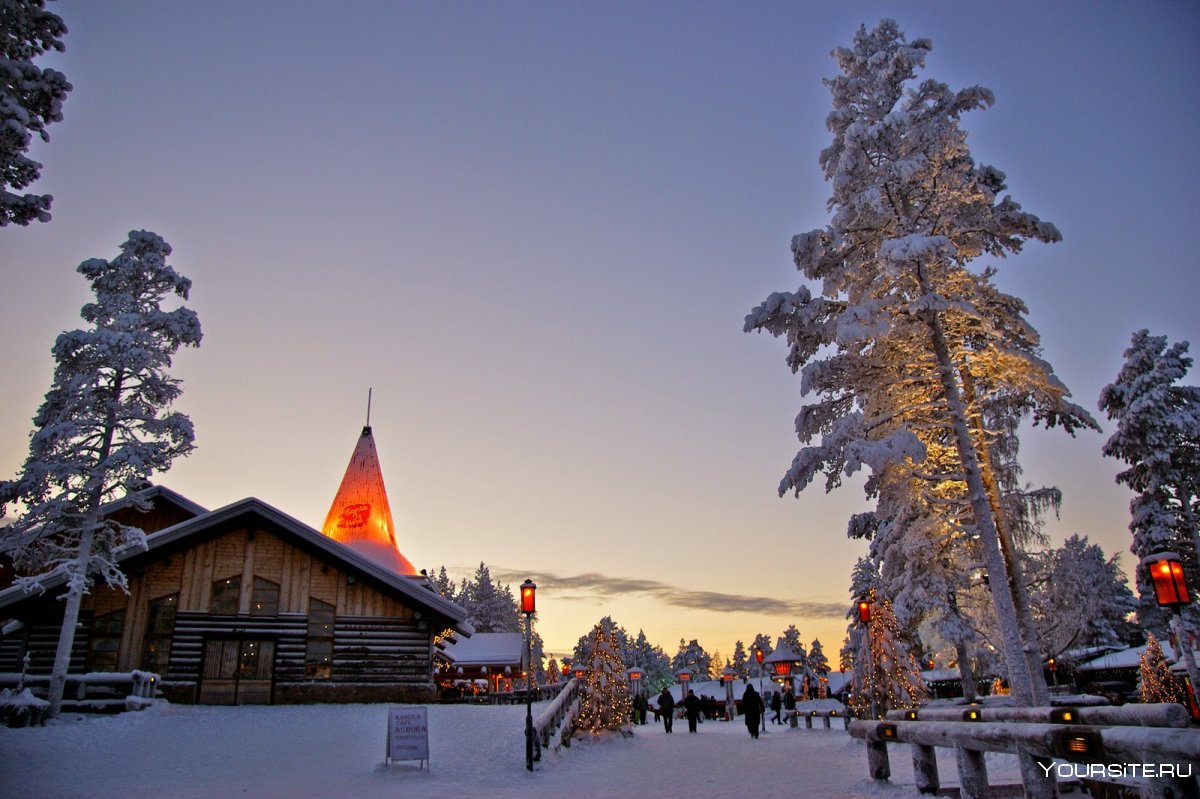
[529,607]
[1170,591]
[727,675]
[864,616]
[758,658]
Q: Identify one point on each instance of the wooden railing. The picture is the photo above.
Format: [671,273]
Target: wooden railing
[1101,744]
[100,690]
[555,723]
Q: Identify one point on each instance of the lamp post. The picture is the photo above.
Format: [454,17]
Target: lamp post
[528,607]
[864,616]
[727,676]
[1170,591]
[758,658]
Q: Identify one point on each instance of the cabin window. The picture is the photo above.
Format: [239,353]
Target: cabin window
[160,626]
[225,594]
[264,601]
[106,641]
[318,654]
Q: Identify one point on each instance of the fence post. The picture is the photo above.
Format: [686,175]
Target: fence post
[877,760]
[972,773]
[925,769]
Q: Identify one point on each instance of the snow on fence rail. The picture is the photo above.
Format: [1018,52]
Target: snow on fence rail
[557,719]
[1141,745]
[97,690]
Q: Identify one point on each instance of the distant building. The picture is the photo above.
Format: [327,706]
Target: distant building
[245,604]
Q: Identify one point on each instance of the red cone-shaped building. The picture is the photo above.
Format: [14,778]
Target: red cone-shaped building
[360,516]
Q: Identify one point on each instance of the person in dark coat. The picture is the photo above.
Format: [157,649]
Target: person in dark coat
[691,707]
[776,706]
[789,704]
[752,710]
[666,706]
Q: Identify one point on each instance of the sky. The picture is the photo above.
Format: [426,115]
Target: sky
[533,230]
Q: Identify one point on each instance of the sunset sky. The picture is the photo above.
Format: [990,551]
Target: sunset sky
[534,229]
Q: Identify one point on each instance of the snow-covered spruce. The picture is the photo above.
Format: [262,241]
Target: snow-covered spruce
[103,429]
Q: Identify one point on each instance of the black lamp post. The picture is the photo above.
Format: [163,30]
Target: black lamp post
[758,658]
[528,607]
[864,616]
[1171,592]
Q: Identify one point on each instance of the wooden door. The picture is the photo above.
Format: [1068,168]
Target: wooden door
[237,672]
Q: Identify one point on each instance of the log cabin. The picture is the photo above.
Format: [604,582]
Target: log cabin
[242,605]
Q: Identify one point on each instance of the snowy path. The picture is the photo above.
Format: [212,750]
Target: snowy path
[337,751]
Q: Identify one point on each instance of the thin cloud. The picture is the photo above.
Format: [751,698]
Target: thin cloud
[591,585]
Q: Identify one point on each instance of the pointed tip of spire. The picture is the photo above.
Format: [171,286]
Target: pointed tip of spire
[360,516]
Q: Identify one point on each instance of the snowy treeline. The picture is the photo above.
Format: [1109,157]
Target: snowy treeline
[491,608]
[634,651]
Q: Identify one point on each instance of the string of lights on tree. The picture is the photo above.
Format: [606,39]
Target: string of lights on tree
[890,674]
[605,703]
[1156,682]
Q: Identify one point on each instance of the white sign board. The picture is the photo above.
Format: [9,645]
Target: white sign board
[408,733]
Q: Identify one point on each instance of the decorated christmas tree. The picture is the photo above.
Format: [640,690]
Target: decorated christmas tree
[1156,682]
[605,703]
[891,677]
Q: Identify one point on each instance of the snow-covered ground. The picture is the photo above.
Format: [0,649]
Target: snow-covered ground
[292,751]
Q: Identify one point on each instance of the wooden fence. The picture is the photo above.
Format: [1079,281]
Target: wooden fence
[555,723]
[1148,746]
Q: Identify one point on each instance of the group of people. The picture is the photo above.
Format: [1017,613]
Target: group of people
[753,708]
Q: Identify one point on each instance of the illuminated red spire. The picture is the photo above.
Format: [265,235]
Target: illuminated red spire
[360,516]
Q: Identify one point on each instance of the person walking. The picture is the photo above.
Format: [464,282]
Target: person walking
[691,707]
[752,709]
[666,706]
[789,704]
[776,706]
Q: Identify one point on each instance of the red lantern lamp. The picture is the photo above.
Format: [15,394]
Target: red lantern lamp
[864,611]
[1166,572]
[579,672]
[783,668]
[758,656]
[528,597]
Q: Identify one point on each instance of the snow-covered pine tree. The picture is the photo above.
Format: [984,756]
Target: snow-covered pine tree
[605,702]
[738,663]
[491,607]
[761,641]
[553,671]
[1158,438]
[1156,683]
[1080,597]
[442,583]
[30,99]
[691,656]
[818,664]
[891,676]
[921,346]
[104,428]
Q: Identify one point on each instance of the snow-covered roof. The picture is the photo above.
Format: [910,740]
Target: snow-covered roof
[782,654]
[415,588]
[484,649]
[153,494]
[1125,659]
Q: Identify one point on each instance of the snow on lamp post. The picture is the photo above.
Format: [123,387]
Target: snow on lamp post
[580,671]
[529,607]
[1171,592]
[635,680]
